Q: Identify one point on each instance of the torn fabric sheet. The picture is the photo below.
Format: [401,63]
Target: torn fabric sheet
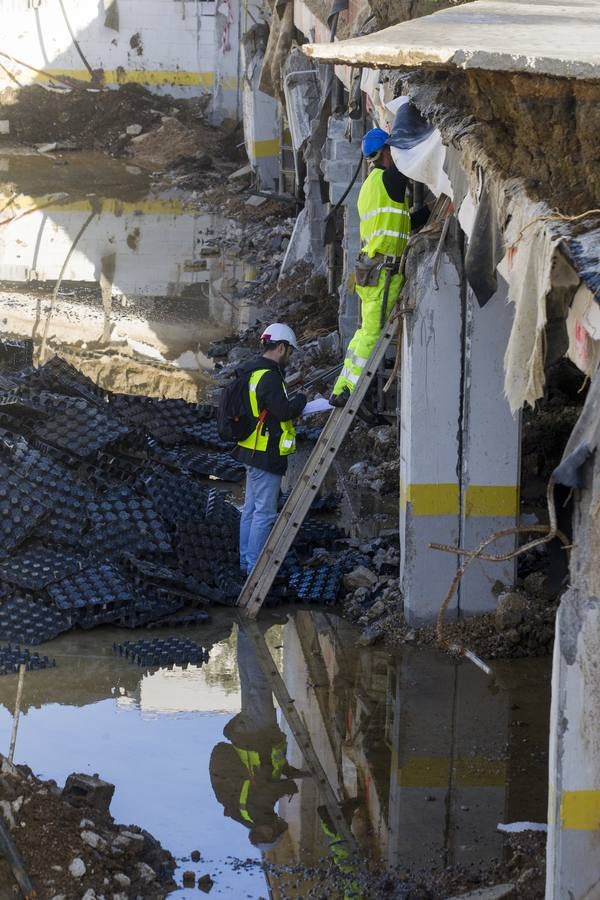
[583,440]
[539,279]
[583,329]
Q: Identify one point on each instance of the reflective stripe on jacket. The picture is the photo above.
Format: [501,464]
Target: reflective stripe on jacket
[258,441]
[251,761]
[384,223]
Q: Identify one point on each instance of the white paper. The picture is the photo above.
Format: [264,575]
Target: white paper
[315,406]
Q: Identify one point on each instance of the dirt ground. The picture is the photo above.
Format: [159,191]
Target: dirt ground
[169,133]
[50,834]
[522,867]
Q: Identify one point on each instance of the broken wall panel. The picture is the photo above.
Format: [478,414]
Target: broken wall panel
[184,49]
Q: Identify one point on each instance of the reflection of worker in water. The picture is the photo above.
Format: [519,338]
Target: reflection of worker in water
[339,851]
[250,774]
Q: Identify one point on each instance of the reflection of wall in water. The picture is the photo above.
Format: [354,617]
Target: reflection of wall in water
[421,741]
[156,243]
[448,777]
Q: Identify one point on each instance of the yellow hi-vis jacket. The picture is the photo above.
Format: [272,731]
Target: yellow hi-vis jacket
[252,761]
[384,223]
[258,441]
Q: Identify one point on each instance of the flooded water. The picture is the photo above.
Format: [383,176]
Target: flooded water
[426,755]
[145,279]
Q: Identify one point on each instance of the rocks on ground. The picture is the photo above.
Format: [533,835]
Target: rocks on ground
[71,846]
[522,624]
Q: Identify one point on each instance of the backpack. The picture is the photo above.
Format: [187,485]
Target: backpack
[235,421]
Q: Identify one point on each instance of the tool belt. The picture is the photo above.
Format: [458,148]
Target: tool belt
[367,269]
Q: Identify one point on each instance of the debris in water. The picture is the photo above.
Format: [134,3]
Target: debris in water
[13,657]
[162,652]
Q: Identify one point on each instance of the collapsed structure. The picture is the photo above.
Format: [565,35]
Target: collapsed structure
[495,106]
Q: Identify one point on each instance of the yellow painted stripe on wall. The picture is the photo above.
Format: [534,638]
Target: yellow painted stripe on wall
[262,149]
[580,810]
[469,771]
[431,499]
[443,499]
[23,204]
[141,76]
[492,500]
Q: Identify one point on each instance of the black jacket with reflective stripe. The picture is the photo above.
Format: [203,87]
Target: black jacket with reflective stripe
[270,395]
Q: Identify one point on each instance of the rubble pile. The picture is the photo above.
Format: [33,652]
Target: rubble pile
[70,845]
[156,131]
[106,513]
[522,624]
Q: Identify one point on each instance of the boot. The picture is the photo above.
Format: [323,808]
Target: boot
[340,399]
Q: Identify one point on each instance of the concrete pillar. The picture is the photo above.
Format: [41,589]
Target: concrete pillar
[573,850]
[490,450]
[459,443]
[430,434]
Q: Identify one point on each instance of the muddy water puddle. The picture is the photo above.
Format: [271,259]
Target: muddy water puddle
[125,281]
[425,754]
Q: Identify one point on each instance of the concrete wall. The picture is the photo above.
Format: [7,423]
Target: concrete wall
[573,852]
[181,48]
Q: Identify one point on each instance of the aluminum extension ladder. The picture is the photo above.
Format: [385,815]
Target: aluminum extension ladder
[291,517]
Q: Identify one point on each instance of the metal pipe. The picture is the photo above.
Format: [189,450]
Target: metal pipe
[13,737]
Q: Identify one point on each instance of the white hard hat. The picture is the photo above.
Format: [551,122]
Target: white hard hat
[279,332]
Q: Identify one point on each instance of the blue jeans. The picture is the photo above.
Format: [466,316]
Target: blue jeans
[258,515]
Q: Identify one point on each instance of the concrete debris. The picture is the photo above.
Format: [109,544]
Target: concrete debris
[77,867]
[58,853]
[88,791]
[496,892]
[512,608]
[145,872]
[255,200]
[205,883]
[93,840]
[359,577]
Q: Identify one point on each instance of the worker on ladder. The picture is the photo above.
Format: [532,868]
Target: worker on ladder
[251,774]
[385,226]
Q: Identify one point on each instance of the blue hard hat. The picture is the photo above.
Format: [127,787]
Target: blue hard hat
[374,140]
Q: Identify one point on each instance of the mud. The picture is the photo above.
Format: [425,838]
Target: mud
[56,839]
[538,128]
[423,781]
[93,119]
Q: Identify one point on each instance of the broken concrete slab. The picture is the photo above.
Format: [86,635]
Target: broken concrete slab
[498,35]
[89,791]
[242,172]
[496,892]
[255,200]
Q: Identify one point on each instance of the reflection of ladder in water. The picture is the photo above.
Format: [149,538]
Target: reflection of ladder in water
[300,732]
[294,512]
